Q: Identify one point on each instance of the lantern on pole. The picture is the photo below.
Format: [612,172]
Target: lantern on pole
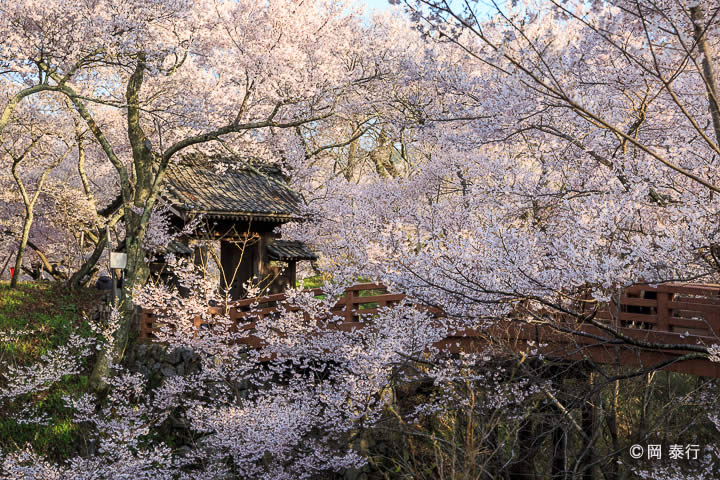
[118,261]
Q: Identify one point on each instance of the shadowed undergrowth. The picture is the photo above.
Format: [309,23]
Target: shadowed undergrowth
[35,319]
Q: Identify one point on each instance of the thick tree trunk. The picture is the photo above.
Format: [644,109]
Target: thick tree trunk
[136,274]
[349,172]
[21,248]
[138,204]
[76,278]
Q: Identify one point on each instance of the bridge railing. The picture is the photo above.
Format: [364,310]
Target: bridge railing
[683,309]
[358,301]
[672,313]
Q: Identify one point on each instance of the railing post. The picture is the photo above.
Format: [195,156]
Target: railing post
[663,312]
[615,316]
[144,324]
[349,295]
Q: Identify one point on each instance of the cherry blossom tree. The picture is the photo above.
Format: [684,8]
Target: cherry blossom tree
[150,81]
[576,153]
[573,149]
[485,166]
[40,155]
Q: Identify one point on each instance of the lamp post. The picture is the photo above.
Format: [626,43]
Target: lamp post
[118,261]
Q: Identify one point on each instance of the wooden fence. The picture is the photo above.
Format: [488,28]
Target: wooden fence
[358,301]
[665,317]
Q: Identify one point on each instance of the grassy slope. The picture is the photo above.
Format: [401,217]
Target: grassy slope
[51,313]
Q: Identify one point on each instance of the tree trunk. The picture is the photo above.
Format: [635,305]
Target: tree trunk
[708,71]
[136,274]
[349,172]
[138,203]
[23,245]
[5,264]
[76,278]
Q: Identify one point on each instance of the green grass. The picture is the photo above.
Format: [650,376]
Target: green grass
[315,281]
[50,313]
[60,437]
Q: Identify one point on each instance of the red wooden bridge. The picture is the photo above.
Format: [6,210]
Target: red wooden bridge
[662,326]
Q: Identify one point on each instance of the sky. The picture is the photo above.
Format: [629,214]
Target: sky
[382,4]
[378,4]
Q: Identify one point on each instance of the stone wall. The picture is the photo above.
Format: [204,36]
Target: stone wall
[154,360]
[159,361]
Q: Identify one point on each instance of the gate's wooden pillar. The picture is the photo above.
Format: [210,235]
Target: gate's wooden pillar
[558,440]
[292,273]
[588,425]
[523,466]
[200,256]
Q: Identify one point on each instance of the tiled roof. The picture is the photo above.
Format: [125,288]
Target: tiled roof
[177,248]
[289,250]
[239,191]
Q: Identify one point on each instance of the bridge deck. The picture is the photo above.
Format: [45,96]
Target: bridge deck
[668,316]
